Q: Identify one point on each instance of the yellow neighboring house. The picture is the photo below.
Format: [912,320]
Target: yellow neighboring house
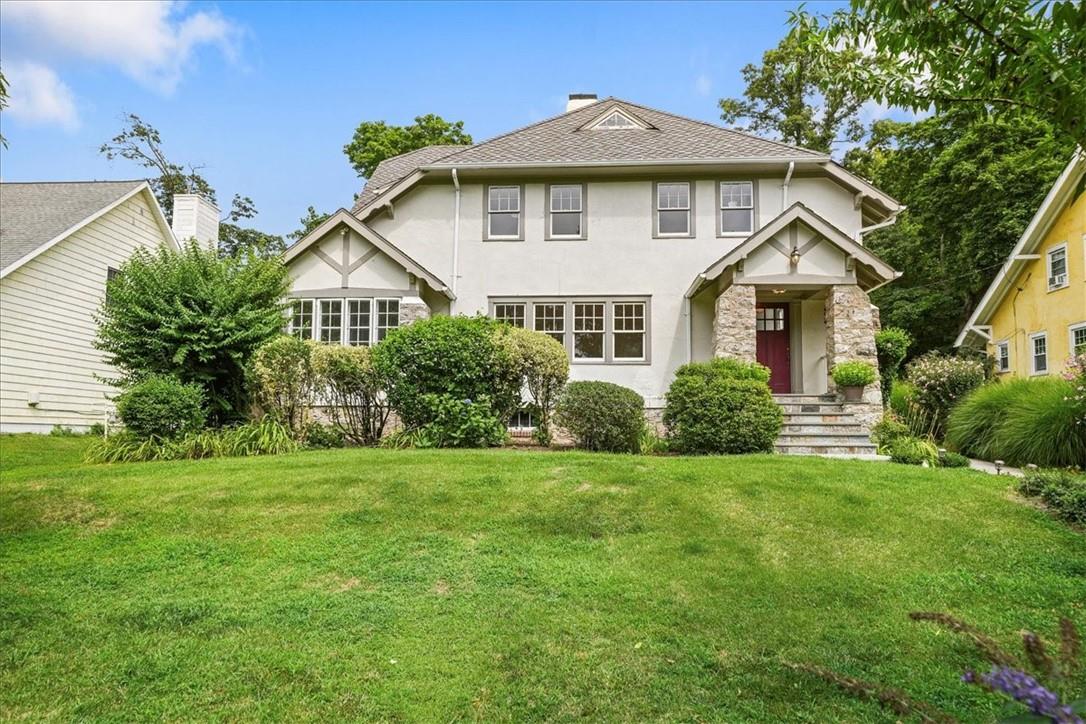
[1033,316]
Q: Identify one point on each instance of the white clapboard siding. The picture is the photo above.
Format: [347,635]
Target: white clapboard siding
[47,326]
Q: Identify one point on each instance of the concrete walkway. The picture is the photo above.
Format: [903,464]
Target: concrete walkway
[986,467]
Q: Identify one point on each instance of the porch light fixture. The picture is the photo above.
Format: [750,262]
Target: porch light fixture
[794,256]
[779,291]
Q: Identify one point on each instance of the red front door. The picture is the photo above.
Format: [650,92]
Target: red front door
[773,352]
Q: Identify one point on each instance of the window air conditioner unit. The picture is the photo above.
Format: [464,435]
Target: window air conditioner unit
[1057,280]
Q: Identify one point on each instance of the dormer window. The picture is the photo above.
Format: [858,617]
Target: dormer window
[616,120]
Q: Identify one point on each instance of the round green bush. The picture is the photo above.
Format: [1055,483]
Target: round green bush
[856,373]
[914,451]
[710,412]
[602,416]
[888,429]
[456,356]
[162,406]
[461,423]
[727,368]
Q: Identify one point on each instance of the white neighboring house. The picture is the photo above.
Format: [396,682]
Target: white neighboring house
[639,239]
[59,243]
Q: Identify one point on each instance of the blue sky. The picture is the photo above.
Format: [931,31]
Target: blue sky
[264,95]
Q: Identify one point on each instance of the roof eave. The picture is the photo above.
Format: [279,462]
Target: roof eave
[743,160]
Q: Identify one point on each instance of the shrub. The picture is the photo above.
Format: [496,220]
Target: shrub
[892,345]
[281,380]
[902,395]
[914,451]
[544,369]
[354,390]
[455,356]
[886,430]
[953,460]
[602,416]
[715,408]
[460,423]
[941,382]
[1062,490]
[856,373]
[161,406]
[323,437]
[194,316]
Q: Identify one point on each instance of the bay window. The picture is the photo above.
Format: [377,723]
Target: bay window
[348,321]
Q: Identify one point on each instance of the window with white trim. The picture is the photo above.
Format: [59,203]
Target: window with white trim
[736,207]
[388,316]
[1003,356]
[1057,267]
[551,319]
[512,313]
[628,333]
[1078,338]
[673,209]
[588,330]
[503,212]
[1038,353]
[359,322]
[301,318]
[567,211]
[331,321]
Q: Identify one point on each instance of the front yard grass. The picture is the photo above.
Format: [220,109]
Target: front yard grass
[504,585]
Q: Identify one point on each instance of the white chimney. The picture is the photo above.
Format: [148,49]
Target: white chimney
[194,217]
[580,100]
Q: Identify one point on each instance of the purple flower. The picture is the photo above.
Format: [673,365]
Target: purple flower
[1023,688]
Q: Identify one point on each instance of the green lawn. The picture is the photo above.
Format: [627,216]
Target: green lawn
[503,585]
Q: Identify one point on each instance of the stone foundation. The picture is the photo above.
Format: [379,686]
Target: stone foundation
[851,323]
[734,324]
[412,309]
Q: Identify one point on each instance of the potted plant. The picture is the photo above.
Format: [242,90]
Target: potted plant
[853,377]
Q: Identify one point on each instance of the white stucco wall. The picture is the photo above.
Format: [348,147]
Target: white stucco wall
[309,272]
[620,256]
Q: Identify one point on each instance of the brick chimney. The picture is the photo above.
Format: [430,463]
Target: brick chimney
[194,217]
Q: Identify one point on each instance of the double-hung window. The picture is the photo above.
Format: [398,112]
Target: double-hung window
[588,330]
[736,207]
[551,319]
[628,333]
[1078,338]
[388,316]
[1039,353]
[1057,267]
[503,212]
[331,321]
[1003,356]
[673,207]
[566,211]
[359,322]
[512,314]
[301,318]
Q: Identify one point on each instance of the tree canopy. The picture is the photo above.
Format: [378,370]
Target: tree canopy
[800,95]
[978,56]
[374,141]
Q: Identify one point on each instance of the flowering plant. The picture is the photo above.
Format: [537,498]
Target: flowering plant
[1076,375]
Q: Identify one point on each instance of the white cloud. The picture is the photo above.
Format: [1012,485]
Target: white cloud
[703,84]
[39,96]
[153,42]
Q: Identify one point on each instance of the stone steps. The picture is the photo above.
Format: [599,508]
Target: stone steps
[820,425]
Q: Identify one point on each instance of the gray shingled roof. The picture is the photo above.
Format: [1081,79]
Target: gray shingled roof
[558,140]
[32,214]
[393,169]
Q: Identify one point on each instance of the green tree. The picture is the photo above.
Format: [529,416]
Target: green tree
[310,221]
[971,187]
[195,316]
[1011,56]
[3,103]
[800,95]
[374,141]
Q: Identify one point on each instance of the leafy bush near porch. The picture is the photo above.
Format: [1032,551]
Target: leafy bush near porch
[941,382]
[1062,490]
[353,390]
[1036,421]
[456,356]
[461,423]
[721,407]
[161,406]
[602,416]
[281,380]
[195,316]
[544,368]
[886,430]
[856,373]
[891,345]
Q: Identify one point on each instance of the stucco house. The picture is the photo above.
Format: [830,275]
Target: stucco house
[59,244]
[639,239]
[1032,318]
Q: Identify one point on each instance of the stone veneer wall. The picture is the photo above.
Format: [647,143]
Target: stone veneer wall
[734,324]
[851,323]
[412,309]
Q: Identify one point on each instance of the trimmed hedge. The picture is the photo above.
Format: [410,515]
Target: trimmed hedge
[161,406]
[721,407]
[602,416]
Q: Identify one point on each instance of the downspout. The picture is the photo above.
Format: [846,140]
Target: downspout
[689,331]
[456,236]
[882,224]
[784,186]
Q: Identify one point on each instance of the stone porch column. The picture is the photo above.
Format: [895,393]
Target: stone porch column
[412,309]
[733,324]
[851,323]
